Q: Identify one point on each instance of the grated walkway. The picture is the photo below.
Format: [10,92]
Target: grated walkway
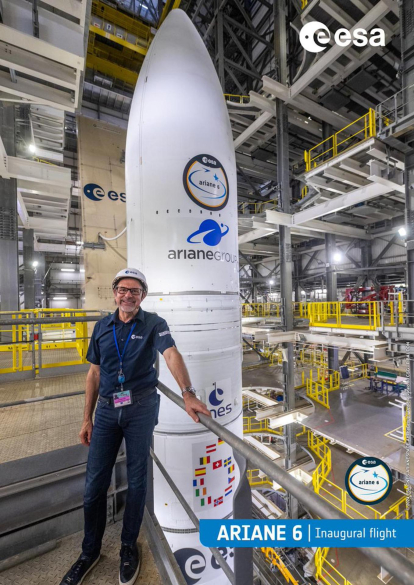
[48,569]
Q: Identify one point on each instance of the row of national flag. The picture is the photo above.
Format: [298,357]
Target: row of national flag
[199,485]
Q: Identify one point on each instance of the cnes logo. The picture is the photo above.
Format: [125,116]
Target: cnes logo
[315,37]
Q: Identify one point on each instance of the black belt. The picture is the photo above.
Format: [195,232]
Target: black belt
[135,397]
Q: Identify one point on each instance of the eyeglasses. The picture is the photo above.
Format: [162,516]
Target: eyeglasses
[122,290]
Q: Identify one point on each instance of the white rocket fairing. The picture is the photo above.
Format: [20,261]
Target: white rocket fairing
[182,233]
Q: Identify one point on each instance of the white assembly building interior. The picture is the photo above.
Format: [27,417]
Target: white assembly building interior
[286,276]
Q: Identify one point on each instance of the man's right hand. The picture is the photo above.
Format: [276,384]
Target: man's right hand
[85,433]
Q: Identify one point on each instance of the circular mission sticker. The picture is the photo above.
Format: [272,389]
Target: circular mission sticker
[368,480]
[205,182]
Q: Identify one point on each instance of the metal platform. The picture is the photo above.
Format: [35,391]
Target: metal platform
[358,419]
[49,568]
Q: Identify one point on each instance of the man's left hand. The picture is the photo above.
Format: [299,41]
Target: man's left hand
[194,405]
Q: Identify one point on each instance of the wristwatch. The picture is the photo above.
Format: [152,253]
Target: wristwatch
[189,389]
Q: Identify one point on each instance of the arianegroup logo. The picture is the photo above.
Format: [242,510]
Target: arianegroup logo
[95,192]
[205,182]
[368,480]
[316,36]
[209,233]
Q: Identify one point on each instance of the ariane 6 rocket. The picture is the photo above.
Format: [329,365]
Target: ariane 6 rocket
[182,233]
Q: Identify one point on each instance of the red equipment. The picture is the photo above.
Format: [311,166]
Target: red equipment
[357,299]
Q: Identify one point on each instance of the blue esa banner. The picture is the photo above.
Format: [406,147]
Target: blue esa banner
[299,533]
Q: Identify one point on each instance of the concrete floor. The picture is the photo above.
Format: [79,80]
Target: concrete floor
[48,569]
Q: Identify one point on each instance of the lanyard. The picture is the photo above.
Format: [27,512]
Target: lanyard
[121,357]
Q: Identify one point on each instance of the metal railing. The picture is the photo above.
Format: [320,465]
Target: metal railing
[260,309]
[393,109]
[35,340]
[364,315]
[326,572]
[313,357]
[256,207]
[320,382]
[354,133]
[338,497]
[272,309]
[390,559]
[237,99]
[274,558]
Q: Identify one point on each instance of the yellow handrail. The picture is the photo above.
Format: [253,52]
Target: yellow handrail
[327,576]
[364,315]
[340,142]
[25,342]
[256,207]
[320,383]
[335,495]
[251,425]
[257,478]
[274,558]
[241,99]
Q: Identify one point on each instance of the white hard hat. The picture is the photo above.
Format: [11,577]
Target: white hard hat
[130,273]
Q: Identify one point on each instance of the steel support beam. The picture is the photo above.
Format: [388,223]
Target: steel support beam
[331,291]
[220,47]
[28,248]
[342,202]
[285,240]
[9,253]
[332,55]
[407,62]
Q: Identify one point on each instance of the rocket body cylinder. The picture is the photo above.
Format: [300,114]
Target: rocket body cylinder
[182,233]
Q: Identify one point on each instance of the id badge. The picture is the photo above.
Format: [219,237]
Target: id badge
[122,398]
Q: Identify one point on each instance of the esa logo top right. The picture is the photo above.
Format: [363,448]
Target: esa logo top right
[316,36]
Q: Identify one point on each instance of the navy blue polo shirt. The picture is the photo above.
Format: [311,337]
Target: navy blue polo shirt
[151,333]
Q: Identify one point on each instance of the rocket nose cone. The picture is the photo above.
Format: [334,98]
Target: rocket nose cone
[178,17]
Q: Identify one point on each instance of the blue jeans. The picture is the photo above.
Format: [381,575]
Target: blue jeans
[136,423]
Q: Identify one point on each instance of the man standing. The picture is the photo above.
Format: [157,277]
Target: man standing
[122,380]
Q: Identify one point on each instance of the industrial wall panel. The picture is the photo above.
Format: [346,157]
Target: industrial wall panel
[102,176]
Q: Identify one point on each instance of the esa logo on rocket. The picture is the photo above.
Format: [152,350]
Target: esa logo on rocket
[205,182]
[194,565]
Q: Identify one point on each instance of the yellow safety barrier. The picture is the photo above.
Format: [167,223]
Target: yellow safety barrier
[274,559]
[21,354]
[272,309]
[397,310]
[342,141]
[258,478]
[328,574]
[357,371]
[338,497]
[300,309]
[251,425]
[364,315]
[260,309]
[320,383]
[313,357]
[241,99]
[257,207]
